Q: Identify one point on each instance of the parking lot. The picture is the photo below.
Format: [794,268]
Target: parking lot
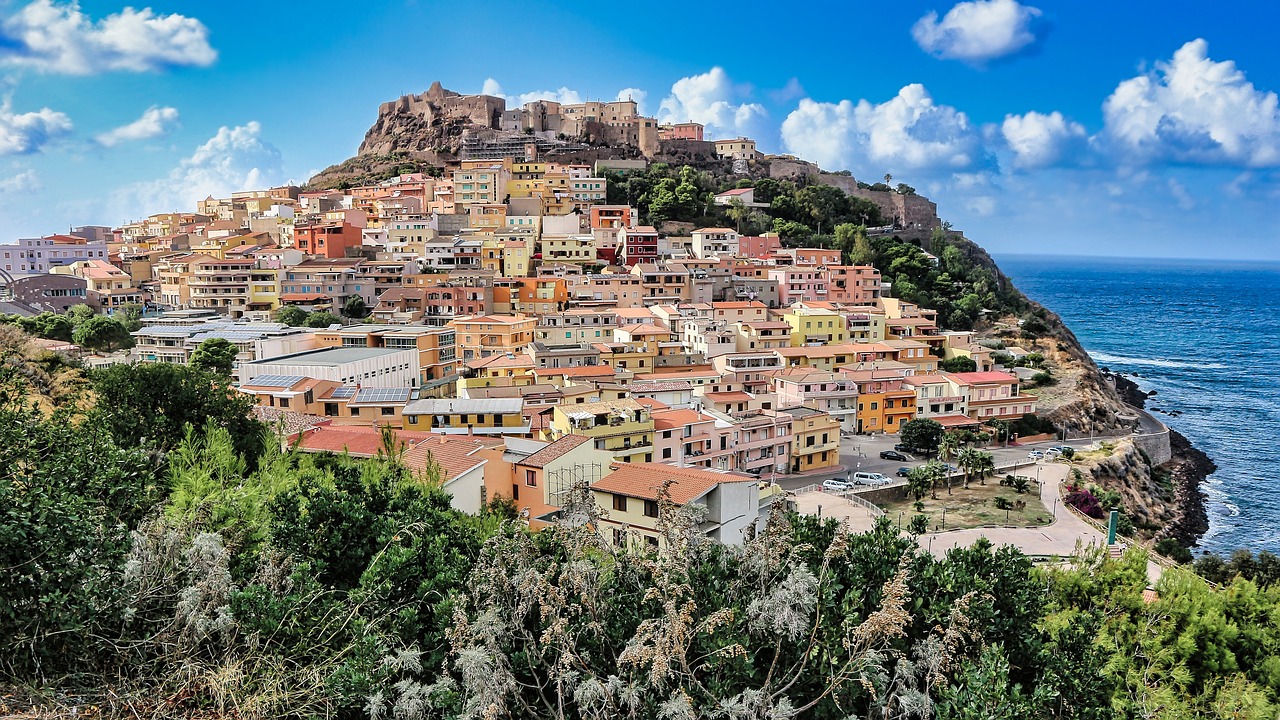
[861,453]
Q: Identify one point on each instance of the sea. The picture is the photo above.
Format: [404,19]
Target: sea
[1205,335]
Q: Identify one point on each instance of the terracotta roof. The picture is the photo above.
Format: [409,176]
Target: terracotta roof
[555,450]
[924,379]
[731,396]
[659,385]
[644,329]
[583,371]
[652,404]
[955,421]
[454,454]
[645,480]
[672,419]
[501,360]
[356,441]
[736,191]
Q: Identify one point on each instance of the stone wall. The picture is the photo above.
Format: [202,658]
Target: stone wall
[1155,444]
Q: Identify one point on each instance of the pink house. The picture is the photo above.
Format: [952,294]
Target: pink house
[853,284]
[833,393]
[757,246]
[796,284]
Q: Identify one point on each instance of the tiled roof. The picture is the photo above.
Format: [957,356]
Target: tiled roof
[356,441]
[981,378]
[454,454]
[659,386]
[645,480]
[672,419]
[555,450]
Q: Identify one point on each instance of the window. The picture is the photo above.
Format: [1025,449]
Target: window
[651,508]
[515,491]
[531,478]
[666,453]
[284,402]
[620,503]
[388,411]
[619,536]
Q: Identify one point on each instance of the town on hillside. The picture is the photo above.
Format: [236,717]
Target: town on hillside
[525,335]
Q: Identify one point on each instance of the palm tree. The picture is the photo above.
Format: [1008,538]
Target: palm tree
[948,446]
[937,472]
[984,465]
[968,461]
[920,481]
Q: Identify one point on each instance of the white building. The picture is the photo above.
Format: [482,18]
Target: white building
[36,256]
[366,366]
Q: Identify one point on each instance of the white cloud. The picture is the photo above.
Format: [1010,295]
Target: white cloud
[981,205]
[1180,195]
[564,95]
[26,133]
[1192,109]
[233,159]
[1038,140]
[60,38]
[23,182]
[634,94]
[713,100]
[909,132]
[156,121]
[980,31]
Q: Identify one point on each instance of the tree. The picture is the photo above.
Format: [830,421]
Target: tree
[292,315]
[355,307]
[322,319]
[958,364]
[919,525]
[101,333]
[937,473]
[738,212]
[80,313]
[152,404]
[214,355]
[949,445]
[921,434]
[984,465]
[129,315]
[919,481]
[967,460]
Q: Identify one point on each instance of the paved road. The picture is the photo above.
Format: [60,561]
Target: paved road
[862,453]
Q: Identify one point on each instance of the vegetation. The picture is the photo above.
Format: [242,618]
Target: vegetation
[355,307]
[972,507]
[83,326]
[214,355]
[163,560]
[921,434]
[958,364]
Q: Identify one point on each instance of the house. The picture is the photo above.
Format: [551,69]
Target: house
[739,148]
[746,196]
[632,493]
[623,427]
[489,416]
[637,245]
[994,395]
[815,444]
[483,335]
[832,393]
[715,242]
[538,475]
[387,367]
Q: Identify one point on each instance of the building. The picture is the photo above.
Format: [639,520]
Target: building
[436,346]
[37,256]
[832,393]
[50,293]
[484,335]
[994,395]
[623,427]
[811,326]
[737,149]
[372,367]
[815,444]
[681,131]
[715,242]
[490,416]
[327,239]
[221,285]
[106,286]
[637,245]
[633,495]
[885,401]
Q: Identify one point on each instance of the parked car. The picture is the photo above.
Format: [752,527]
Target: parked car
[903,448]
[834,485]
[869,478]
[1053,453]
[1035,455]
[893,455]
[903,471]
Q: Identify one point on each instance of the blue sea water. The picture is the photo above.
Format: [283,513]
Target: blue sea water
[1205,335]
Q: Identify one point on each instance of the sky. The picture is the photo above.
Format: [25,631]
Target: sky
[1041,126]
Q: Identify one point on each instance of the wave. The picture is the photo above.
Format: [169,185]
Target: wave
[1103,357]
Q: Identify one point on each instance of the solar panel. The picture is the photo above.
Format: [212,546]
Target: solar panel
[275,380]
[382,395]
[345,391]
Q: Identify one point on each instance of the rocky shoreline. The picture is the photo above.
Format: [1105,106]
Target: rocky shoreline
[1188,469]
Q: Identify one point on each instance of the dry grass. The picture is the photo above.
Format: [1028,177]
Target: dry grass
[974,507]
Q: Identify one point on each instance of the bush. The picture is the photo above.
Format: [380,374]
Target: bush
[1085,502]
[1174,550]
[919,524]
[1003,503]
[1044,378]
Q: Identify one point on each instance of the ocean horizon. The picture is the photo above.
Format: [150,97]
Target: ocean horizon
[1204,334]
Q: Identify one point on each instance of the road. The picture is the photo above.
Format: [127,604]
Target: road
[862,453]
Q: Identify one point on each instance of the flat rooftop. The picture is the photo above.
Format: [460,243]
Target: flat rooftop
[331,357]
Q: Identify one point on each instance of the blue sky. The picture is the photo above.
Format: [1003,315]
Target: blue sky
[1039,127]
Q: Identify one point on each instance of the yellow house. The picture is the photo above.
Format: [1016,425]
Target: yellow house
[623,427]
[496,371]
[638,357]
[577,249]
[488,416]
[816,327]
[815,443]
[264,289]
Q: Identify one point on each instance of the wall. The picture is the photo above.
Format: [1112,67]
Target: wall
[1155,444]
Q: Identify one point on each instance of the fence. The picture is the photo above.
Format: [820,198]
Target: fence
[846,495]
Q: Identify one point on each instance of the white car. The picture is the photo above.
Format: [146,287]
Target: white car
[1035,455]
[834,485]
